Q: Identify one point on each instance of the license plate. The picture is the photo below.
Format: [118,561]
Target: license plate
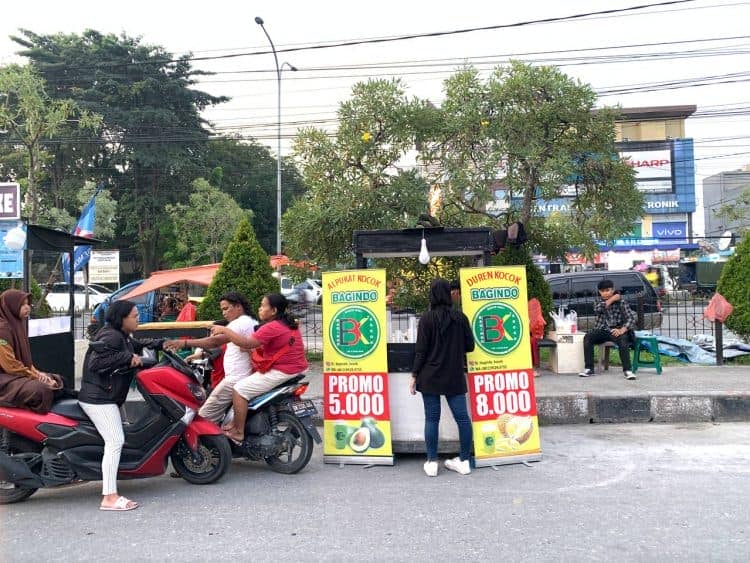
[304,408]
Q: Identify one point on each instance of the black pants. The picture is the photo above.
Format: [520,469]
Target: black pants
[598,336]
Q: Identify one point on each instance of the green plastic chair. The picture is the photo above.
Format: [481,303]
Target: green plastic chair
[650,345]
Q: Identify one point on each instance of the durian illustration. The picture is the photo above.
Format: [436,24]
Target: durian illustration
[515,430]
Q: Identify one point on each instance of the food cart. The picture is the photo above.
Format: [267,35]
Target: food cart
[406,411]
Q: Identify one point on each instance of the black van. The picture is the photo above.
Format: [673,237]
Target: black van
[577,291]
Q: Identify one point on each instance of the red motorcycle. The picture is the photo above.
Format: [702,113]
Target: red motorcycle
[63,446]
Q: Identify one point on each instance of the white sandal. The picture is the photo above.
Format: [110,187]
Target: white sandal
[121,504]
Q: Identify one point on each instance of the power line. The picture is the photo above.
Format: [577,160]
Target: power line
[479,60]
[379,40]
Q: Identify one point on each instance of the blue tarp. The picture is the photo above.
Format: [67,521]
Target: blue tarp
[681,349]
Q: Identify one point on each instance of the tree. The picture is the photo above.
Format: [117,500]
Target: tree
[153,132]
[354,179]
[735,289]
[247,172]
[245,268]
[30,117]
[536,285]
[203,227]
[530,133]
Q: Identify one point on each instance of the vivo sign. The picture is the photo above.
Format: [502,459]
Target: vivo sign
[669,231]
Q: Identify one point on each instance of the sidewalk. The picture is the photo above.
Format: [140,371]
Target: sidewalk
[682,393]
[686,393]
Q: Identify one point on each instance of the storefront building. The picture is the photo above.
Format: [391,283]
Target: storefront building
[652,140]
[719,190]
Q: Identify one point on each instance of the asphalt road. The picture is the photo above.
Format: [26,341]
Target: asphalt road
[602,493]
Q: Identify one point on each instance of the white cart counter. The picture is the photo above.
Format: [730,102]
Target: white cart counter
[567,356]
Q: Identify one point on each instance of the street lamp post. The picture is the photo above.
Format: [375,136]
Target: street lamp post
[279,68]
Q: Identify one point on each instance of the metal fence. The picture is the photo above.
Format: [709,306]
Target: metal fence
[681,318]
[678,315]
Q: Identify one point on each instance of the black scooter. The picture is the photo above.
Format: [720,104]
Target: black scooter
[279,428]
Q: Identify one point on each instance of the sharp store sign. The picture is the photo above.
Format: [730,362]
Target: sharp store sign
[664,173]
[653,169]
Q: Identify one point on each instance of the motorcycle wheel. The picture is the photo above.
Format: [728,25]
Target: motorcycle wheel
[215,453]
[10,493]
[299,445]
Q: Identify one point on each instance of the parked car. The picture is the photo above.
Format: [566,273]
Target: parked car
[311,289]
[286,285]
[577,291]
[146,305]
[58,297]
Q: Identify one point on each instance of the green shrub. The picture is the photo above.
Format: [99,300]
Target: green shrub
[536,285]
[735,289]
[245,269]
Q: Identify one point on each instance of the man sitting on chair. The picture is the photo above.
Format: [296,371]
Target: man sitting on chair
[615,322]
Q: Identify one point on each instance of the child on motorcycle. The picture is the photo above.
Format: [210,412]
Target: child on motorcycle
[283,356]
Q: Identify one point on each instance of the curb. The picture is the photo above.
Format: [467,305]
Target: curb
[587,408]
[581,408]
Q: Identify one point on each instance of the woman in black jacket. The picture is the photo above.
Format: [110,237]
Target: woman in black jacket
[103,391]
[443,338]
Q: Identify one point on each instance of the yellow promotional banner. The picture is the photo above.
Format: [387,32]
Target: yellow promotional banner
[356,414]
[500,372]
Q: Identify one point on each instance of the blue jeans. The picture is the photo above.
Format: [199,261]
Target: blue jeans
[457,404]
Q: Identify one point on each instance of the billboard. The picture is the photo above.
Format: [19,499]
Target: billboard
[653,169]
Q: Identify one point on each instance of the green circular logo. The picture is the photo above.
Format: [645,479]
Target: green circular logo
[355,332]
[497,328]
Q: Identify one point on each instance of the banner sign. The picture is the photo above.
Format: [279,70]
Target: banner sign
[104,266]
[653,169]
[12,245]
[10,204]
[356,418]
[500,371]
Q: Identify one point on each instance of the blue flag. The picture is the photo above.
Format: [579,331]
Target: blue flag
[84,228]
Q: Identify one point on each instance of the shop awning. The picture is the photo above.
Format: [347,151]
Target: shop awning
[199,275]
[279,260]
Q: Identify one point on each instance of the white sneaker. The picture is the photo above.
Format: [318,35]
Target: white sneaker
[431,468]
[629,375]
[458,466]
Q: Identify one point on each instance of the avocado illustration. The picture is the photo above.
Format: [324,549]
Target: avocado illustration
[360,440]
[377,439]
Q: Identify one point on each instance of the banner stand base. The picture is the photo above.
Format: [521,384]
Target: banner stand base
[506,460]
[358,460]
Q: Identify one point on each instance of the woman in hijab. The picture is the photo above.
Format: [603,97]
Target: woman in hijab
[21,384]
[443,338]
